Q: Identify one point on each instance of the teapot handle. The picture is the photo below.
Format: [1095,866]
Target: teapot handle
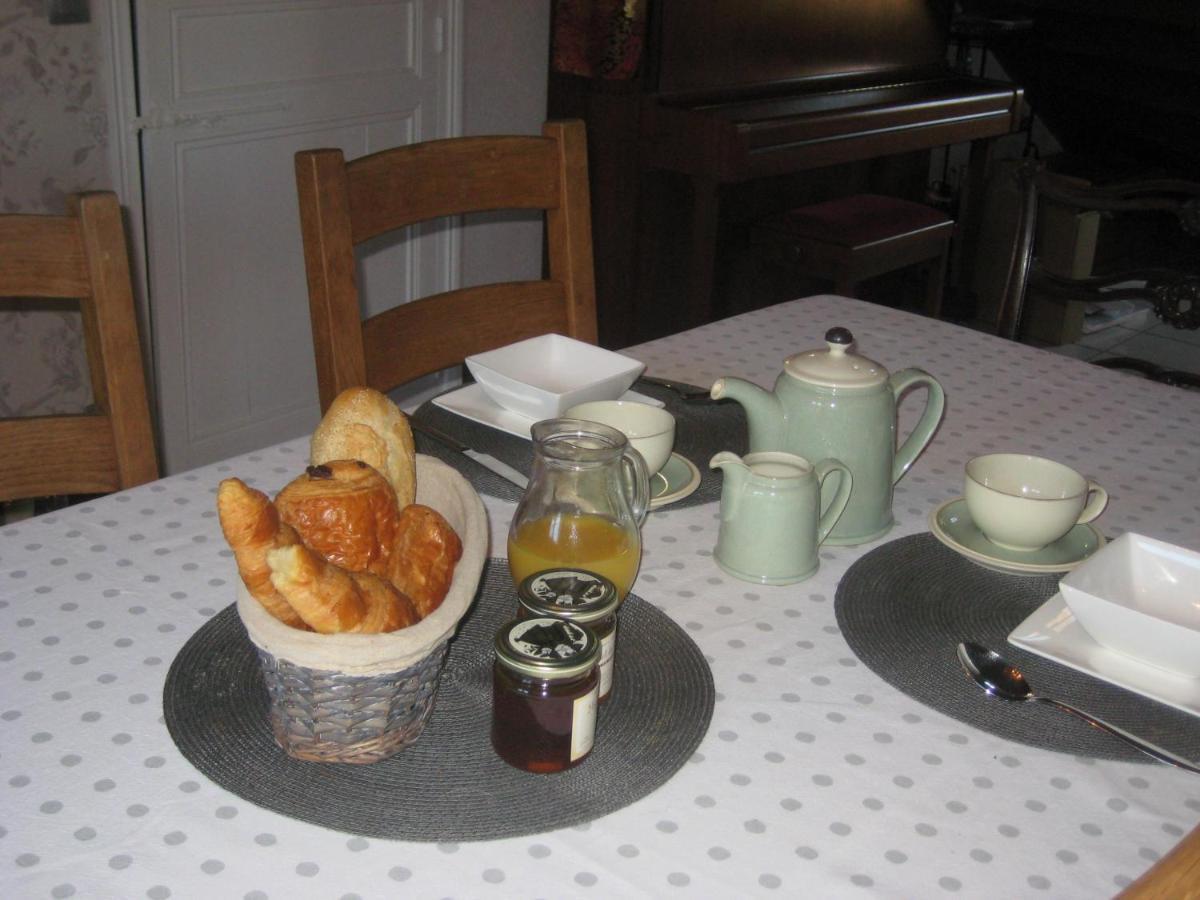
[922,433]
[638,483]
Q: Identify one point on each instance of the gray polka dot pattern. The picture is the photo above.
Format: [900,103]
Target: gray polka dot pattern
[815,779]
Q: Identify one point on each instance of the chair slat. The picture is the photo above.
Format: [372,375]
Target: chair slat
[499,314]
[418,182]
[42,256]
[51,455]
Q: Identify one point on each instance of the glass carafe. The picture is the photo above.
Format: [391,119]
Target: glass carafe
[587,497]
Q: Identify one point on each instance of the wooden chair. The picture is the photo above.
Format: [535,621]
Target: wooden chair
[344,203]
[82,255]
[1175,292]
[851,239]
[1174,877]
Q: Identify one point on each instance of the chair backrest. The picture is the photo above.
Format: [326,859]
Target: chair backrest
[344,203]
[1174,292]
[82,255]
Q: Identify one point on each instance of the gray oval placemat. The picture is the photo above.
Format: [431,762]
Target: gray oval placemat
[904,607]
[701,430]
[449,785]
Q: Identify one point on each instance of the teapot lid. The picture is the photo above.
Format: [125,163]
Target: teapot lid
[836,366]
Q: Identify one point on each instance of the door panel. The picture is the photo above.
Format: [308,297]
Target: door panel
[229,91]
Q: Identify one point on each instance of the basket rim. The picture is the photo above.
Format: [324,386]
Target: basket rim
[446,490]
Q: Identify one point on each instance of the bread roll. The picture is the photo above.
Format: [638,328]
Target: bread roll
[362,423]
[252,529]
[346,511]
[423,559]
[332,600]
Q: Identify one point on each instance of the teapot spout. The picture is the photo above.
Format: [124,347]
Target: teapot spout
[764,411]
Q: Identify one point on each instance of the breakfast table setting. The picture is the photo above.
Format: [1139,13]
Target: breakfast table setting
[884,606]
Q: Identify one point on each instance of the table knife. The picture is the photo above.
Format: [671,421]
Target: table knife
[489,462]
[684,391]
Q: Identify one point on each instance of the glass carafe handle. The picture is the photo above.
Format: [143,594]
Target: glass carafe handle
[637,484]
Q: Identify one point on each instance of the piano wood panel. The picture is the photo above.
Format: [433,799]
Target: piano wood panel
[721,102]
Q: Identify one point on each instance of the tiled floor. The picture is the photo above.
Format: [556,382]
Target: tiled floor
[1147,339]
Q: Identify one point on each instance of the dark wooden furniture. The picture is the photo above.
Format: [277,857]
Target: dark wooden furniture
[343,204]
[80,256]
[1174,290]
[1116,83]
[731,93]
[851,239]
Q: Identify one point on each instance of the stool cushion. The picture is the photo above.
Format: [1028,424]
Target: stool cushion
[857,220]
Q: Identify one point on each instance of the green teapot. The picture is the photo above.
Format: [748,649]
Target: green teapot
[835,403]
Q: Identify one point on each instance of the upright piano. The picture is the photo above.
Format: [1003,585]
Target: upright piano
[729,92]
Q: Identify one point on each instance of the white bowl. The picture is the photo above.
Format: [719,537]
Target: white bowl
[543,377]
[1141,597]
[650,429]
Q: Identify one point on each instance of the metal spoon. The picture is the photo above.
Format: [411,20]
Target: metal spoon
[1000,678]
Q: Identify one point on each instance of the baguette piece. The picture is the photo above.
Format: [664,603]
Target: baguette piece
[332,600]
[364,424]
[423,559]
[252,529]
[346,511]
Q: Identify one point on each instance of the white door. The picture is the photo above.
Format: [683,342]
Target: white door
[228,91]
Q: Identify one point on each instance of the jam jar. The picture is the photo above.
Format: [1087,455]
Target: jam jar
[545,687]
[585,598]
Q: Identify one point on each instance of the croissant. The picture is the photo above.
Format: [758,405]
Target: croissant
[331,599]
[423,559]
[346,511]
[252,529]
[364,424]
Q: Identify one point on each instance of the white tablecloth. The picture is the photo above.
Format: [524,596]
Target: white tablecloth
[816,777]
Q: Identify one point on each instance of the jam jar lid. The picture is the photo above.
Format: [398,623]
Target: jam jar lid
[572,594]
[545,647]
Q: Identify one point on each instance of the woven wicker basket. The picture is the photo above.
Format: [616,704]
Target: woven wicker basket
[360,698]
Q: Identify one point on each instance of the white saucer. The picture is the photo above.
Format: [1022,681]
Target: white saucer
[1053,632]
[472,403]
[677,479]
[951,524]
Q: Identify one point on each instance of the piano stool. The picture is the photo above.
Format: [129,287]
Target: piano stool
[851,239]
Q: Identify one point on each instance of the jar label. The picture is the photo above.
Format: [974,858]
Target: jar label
[548,639]
[608,652]
[567,588]
[583,724]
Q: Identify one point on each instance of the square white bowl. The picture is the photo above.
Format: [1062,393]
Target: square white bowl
[1141,597]
[542,377]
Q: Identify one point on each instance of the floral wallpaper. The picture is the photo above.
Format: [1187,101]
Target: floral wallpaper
[53,142]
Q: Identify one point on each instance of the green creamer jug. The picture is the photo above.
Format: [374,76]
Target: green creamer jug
[776,510]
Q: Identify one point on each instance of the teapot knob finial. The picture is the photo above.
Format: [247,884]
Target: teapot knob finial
[839,335]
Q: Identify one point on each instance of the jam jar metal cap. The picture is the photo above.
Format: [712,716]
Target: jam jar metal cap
[573,594]
[548,648]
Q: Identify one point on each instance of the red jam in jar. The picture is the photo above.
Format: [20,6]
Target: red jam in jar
[585,598]
[545,690]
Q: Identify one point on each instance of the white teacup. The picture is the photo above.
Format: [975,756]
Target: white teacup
[1024,503]
[650,429]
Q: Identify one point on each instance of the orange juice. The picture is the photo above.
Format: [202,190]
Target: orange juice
[584,542]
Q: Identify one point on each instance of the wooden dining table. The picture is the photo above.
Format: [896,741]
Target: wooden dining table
[816,776]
